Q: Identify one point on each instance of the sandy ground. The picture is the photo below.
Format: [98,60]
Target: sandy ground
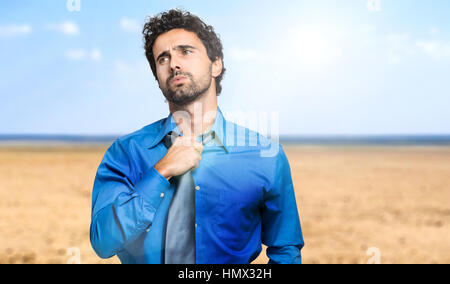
[357,204]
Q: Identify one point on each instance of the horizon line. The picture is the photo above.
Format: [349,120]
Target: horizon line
[319,139]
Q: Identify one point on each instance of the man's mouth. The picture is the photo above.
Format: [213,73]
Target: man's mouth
[178,80]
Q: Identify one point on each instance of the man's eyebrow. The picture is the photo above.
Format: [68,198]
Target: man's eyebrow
[164,53]
[178,47]
[185,47]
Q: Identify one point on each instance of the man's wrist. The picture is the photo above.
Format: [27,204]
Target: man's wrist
[163,171]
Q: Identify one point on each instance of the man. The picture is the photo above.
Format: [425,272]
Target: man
[193,187]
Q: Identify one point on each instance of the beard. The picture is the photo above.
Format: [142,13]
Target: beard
[188,91]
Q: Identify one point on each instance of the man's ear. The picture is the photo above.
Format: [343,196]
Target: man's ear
[217,67]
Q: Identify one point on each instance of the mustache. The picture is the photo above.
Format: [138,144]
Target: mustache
[178,73]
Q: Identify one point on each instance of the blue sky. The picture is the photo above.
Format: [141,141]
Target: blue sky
[326,67]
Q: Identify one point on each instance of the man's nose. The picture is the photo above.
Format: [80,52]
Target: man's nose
[175,64]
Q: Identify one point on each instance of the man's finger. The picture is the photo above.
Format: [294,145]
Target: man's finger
[198,147]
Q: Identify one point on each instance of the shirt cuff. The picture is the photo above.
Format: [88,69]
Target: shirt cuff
[152,187]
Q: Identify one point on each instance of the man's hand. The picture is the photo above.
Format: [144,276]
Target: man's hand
[184,155]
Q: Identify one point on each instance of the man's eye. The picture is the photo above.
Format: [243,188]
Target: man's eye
[162,60]
[186,51]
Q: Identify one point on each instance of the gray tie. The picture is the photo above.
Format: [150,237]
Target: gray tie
[180,228]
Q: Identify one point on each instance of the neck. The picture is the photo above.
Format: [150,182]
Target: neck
[197,117]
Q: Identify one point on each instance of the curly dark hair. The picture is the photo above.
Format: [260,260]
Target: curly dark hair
[179,19]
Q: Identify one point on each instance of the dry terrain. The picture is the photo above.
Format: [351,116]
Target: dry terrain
[357,204]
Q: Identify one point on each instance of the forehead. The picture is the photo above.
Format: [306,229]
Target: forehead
[174,38]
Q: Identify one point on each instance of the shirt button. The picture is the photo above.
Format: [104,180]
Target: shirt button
[197,187]
[195,225]
[162,195]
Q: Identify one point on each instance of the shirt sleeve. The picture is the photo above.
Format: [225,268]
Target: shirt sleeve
[122,210]
[281,230]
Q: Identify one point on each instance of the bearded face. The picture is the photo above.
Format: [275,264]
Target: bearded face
[184,70]
[181,88]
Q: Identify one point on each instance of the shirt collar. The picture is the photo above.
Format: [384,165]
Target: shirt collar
[169,125]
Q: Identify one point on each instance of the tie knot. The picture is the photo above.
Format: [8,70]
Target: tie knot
[207,137]
[170,139]
[204,138]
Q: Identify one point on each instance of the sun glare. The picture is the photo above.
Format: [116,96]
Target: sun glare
[316,46]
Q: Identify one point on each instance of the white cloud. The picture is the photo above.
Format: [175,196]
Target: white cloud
[82,54]
[67,28]
[402,45]
[429,47]
[96,54]
[318,47]
[130,25]
[76,54]
[434,48]
[398,46]
[15,30]
[398,38]
[433,31]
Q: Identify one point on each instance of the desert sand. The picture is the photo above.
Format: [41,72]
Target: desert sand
[356,204]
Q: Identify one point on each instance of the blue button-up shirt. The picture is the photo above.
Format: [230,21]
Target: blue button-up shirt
[244,198]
